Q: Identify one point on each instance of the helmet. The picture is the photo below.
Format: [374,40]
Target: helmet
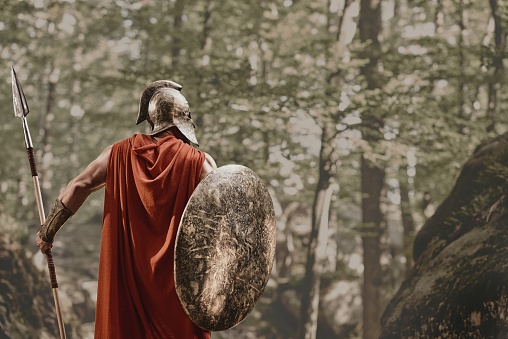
[164,107]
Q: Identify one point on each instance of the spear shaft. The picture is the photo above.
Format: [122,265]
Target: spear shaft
[21,110]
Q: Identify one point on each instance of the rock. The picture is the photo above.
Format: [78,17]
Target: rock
[459,285]
[27,307]
[26,300]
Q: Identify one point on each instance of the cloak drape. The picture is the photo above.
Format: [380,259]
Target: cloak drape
[147,188]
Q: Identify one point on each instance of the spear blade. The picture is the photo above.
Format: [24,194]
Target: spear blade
[21,108]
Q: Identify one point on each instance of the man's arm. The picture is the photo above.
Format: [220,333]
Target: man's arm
[72,197]
[208,166]
[90,180]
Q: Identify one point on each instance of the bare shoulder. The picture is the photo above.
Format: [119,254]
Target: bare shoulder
[208,166]
[97,169]
[104,156]
[91,179]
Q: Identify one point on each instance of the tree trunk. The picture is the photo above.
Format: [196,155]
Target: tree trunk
[75,130]
[372,175]
[495,81]
[438,15]
[206,40]
[285,246]
[462,85]
[407,220]
[206,47]
[372,218]
[46,137]
[318,236]
[324,190]
[177,33]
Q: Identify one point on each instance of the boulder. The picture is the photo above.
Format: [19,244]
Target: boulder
[26,300]
[459,285]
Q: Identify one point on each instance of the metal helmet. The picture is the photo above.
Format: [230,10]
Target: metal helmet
[163,105]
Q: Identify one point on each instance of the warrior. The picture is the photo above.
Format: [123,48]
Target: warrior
[148,180]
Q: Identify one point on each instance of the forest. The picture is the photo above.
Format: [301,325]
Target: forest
[358,115]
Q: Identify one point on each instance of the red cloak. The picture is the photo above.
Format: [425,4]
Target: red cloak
[147,188]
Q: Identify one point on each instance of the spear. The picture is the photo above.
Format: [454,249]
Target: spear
[21,110]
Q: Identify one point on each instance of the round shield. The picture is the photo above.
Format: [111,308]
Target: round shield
[225,248]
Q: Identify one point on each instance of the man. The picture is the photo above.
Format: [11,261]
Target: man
[148,180]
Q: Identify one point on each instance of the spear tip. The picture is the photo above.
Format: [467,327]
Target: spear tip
[20,105]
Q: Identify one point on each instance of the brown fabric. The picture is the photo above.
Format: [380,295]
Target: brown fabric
[58,215]
[147,187]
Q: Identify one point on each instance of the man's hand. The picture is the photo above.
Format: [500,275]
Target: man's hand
[44,246]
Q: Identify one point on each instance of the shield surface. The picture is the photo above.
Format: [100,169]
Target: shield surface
[225,248]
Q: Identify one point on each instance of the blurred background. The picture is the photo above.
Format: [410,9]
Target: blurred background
[357,114]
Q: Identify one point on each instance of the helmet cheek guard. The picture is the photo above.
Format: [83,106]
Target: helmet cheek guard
[186,125]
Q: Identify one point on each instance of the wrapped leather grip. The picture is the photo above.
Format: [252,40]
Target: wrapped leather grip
[31,159]
[51,268]
[58,215]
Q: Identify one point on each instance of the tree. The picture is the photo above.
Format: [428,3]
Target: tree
[373,173]
[498,55]
[326,119]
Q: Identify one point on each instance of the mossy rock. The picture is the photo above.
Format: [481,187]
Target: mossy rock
[459,285]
